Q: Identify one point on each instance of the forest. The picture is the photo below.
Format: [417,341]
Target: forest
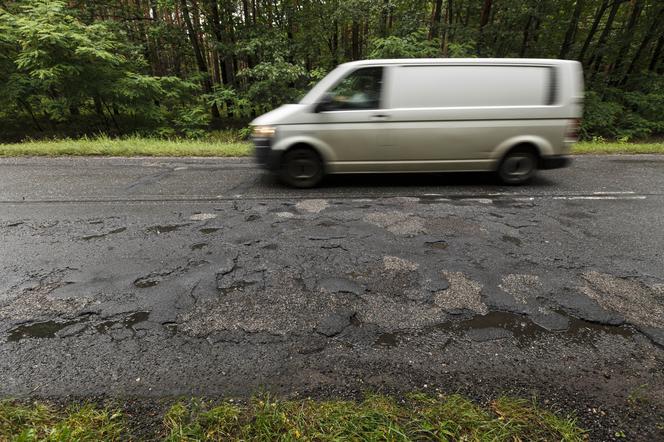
[186,68]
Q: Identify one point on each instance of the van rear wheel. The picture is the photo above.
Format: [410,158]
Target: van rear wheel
[518,166]
[301,167]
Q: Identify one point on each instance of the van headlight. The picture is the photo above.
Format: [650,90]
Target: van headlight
[263,131]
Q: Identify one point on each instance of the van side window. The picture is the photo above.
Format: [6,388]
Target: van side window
[359,90]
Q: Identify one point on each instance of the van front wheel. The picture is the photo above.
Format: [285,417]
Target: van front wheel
[301,167]
[518,167]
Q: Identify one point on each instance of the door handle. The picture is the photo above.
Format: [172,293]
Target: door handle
[380,117]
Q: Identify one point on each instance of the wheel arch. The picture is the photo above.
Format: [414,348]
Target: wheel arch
[324,152]
[540,146]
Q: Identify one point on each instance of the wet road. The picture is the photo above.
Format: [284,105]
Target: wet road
[161,277]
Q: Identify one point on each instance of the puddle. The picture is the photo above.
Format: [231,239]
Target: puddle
[518,324]
[208,230]
[579,327]
[387,340]
[496,324]
[512,239]
[142,283]
[198,246]
[171,327]
[128,321]
[440,245]
[49,329]
[523,327]
[101,235]
[46,329]
[164,229]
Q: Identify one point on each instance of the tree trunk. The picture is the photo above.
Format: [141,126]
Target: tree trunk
[484,19]
[335,44]
[572,28]
[651,32]
[198,54]
[434,29]
[593,29]
[447,27]
[655,61]
[355,40]
[245,11]
[526,36]
[628,34]
[384,16]
[596,59]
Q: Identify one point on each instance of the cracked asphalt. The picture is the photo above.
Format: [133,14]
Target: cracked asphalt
[152,278]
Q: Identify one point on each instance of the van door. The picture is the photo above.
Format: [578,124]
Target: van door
[352,123]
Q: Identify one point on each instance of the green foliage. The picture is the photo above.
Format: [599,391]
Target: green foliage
[81,68]
[273,83]
[626,114]
[414,45]
[62,70]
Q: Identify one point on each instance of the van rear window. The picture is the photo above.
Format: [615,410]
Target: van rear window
[472,86]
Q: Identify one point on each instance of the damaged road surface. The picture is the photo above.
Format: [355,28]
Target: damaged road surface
[155,278]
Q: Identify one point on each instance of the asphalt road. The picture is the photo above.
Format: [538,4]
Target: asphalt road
[154,278]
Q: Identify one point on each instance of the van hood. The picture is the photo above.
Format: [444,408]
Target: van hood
[286,114]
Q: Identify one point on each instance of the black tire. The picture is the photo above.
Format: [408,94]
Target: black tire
[301,167]
[518,167]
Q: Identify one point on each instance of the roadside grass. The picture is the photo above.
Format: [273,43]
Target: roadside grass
[606,147]
[228,144]
[417,417]
[128,147]
[43,422]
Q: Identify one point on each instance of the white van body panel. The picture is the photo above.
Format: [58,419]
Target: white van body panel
[438,114]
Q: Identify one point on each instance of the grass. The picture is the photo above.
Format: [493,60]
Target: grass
[132,146]
[227,144]
[42,422]
[376,418]
[606,147]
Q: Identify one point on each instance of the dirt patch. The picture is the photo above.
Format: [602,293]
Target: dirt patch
[399,223]
[312,206]
[399,264]
[462,294]
[521,287]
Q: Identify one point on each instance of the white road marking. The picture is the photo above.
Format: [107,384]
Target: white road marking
[202,216]
[607,197]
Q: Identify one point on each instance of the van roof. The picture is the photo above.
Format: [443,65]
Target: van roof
[406,61]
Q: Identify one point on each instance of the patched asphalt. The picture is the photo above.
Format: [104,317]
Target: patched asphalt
[155,277]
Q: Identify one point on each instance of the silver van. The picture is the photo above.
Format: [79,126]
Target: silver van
[511,116]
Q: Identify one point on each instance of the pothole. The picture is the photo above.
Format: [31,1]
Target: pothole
[522,327]
[102,235]
[52,328]
[128,321]
[639,303]
[45,329]
[165,229]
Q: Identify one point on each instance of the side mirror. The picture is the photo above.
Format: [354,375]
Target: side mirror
[325,104]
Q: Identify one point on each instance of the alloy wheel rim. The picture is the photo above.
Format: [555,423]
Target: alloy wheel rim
[518,166]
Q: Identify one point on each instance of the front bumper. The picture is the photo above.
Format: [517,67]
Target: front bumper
[555,162]
[265,156]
